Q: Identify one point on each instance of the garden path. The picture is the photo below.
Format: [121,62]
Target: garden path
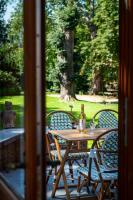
[93,98]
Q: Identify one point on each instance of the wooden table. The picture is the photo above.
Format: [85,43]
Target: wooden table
[70,136]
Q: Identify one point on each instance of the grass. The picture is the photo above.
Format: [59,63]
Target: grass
[54,103]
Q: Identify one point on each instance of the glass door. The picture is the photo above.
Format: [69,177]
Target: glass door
[12,144]
[21,100]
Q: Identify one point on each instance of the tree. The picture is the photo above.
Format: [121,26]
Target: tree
[105,44]
[89,59]
[11,52]
[3,38]
[68,57]
[3,4]
[51,57]
[66,15]
[82,46]
[15,38]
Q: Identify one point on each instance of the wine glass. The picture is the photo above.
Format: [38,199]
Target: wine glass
[92,127]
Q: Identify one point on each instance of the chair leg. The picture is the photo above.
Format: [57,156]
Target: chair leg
[55,173]
[84,162]
[100,194]
[100,191]
[84,183]
[103,190]
[49,174]
[78,163]
[113,189]
[94,187]
[106,190]
[71,169]
[78,185]
[88,189]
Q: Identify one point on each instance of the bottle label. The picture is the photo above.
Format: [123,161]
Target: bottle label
[81,124]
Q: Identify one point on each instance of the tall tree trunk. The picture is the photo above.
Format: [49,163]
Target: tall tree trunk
[97,83]
[67,91]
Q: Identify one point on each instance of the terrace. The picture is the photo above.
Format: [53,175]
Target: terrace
[12,149]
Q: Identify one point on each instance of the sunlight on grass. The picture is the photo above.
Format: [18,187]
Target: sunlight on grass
[16,100]
[54,103]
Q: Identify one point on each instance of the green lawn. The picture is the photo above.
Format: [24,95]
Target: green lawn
[54,103]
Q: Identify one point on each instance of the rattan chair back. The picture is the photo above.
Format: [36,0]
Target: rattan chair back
[106,118]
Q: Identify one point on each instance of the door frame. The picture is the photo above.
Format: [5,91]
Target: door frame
[125,101]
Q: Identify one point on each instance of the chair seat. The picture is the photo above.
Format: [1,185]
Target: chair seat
[78,155]
[107,175]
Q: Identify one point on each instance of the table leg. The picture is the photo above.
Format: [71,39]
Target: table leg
[61,169]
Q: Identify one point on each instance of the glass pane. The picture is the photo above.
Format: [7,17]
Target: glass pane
[12,96]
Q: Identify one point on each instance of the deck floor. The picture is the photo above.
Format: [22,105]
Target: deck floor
[15,179]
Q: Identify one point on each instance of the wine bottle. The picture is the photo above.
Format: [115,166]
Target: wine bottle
[82,120]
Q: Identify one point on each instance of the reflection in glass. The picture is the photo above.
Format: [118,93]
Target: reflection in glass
[12,96]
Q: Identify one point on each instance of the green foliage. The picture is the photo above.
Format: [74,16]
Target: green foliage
[65,15]
[105,45]
[11,53]
[81,55]
[65,18]
[68,17]
[96,42]
[3,33]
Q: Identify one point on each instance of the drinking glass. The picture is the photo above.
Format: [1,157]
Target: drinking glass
[92,127]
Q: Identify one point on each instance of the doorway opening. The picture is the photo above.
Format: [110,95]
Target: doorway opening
[82,61]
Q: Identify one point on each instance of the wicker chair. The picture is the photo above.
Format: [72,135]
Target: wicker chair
[102,173]
[106,118]
[52,164]
[59,120]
